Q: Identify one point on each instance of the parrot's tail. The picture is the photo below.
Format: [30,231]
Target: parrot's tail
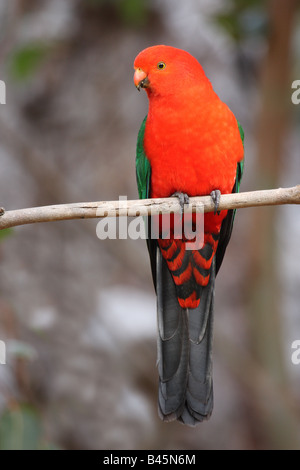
[184,350]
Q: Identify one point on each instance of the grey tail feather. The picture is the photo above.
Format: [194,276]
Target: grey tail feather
[184,351]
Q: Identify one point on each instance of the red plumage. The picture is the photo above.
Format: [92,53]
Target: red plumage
[191,138]
[189,144]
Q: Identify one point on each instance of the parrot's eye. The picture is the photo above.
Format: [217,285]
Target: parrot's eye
[161,65]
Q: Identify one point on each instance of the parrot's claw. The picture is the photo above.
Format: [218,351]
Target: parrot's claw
[2,211]
[216,197]
[183,199]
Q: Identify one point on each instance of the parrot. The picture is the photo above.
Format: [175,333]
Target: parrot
[189,144]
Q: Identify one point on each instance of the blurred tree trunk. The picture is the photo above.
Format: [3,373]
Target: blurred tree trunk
[274,423]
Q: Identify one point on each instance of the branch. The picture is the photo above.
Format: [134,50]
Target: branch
[89,210]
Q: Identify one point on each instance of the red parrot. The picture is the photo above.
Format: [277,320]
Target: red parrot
[189,144]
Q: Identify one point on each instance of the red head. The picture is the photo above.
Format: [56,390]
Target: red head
[163,69]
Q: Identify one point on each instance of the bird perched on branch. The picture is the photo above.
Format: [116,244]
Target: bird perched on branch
[189,144]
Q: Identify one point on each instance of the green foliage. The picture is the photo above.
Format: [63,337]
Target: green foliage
[20,349]
[6,232]
[130,12]
[20,429]
[243,18]
[133,12]
[25,61]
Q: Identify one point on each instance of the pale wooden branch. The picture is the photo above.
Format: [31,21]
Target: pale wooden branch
[88,210]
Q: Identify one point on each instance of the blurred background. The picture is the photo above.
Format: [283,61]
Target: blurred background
[77,314]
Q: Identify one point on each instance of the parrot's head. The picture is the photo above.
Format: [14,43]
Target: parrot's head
[163,70]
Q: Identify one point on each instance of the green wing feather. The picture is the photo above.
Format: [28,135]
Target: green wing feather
[227,223]
[143,177]
[240,165]
[142,164]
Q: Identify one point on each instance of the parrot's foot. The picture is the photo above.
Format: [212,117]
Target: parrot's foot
[2,211]
[216,196]
[183,199]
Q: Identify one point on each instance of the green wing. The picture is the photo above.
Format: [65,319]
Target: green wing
[240,165]
[143,177]
[142,164]
[227,224]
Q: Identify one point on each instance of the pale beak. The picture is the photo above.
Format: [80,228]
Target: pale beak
[140,79]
